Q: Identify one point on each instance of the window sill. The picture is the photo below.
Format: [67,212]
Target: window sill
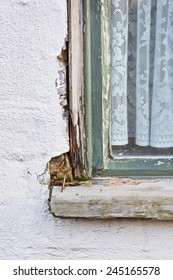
[119,198]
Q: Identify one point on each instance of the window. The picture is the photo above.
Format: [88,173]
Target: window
[92,34]
[128,86]
[141,78]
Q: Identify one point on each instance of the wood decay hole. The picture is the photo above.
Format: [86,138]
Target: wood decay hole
[67,168]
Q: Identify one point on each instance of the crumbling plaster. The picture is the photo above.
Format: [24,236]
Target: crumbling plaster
[33,130]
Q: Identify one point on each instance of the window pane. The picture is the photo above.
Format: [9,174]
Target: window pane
[142,77]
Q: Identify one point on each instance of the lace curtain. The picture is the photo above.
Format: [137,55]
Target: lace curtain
[142,72]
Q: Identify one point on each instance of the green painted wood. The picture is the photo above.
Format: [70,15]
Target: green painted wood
[96,83]
[137,167]
[106,77]
[93,82]
[97,101]
[87,84]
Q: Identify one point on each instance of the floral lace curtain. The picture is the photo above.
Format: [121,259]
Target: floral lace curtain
[142,72]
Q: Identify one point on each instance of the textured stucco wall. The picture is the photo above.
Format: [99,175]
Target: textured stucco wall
[32,130]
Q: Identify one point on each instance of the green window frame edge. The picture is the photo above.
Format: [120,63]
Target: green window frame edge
[97,99]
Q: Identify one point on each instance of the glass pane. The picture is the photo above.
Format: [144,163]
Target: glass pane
[142,78]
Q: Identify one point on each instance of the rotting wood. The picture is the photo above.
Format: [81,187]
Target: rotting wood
[63,185]
[71,164]
[59,167]
[76,90]
[144,201]
[128,181]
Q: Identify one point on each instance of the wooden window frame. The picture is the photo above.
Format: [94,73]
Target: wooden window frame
[97,97]
[103,196]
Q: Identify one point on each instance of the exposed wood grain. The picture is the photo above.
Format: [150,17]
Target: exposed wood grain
[149,200]
[76,90]
[75,57]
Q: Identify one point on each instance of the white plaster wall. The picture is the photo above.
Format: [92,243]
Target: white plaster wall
[32,130]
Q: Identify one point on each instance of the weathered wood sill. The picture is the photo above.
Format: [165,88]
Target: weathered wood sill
[120,198]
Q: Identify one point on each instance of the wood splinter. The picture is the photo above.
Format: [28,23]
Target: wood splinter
[63,184]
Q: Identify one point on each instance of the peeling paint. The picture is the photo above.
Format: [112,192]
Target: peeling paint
[68,165]
[44,178]
[106,77]
[160,162]
[61,83]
